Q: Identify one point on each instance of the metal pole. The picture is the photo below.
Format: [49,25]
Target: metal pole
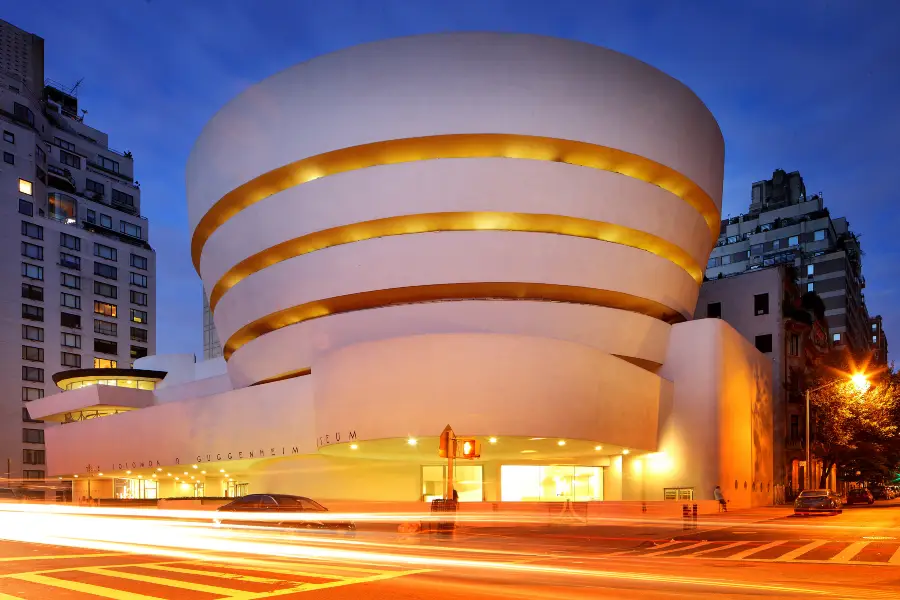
[451,454]
[8,473]
[807,475]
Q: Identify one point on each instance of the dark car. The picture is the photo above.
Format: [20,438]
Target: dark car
[267,504]
[810,501]
[881,493]
[860,496]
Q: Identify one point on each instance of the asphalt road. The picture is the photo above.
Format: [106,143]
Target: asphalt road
[762,553]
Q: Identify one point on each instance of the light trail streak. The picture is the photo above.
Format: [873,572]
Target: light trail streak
[199,542]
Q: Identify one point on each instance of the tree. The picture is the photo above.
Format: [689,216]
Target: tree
[854,429]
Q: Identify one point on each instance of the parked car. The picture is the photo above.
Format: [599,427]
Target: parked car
[881,493]
[810,501]
[860,496]
[280,504]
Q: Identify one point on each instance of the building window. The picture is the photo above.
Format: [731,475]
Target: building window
[33,457]
[67,359]
[104,363]
[69,159]
[9,136]
[71,340]
[104,308]
[138,334]
[108,164]
[70,300]
[64,144]
[104,289]
[41,155]
[764,343]
[105,270]
[9,158]
[32,271]
[761,304]
[138,352]
[810,269]
[33,374]
[819,235]
[713,262]
[105,328]
[810,286]
[139,262]
[836,338]
[33,436]
[874,339]
[26,208]
[25,187]
[106,347]
[32,333]
[793,241]
[32,353]
[32,251]
[107,252]
[70,281]
[105,221]
[30,393]
[32,313]
[94,186]
[714,310]
[756,250]
[726,260]
[795,427]
[32,292]
[794,345]
[874,327]
[122,198]
[33,231]
[70,261]
[130,229]
[32,474]
[70,241]
[23,113]
[139,316]
[69,320]
[139,280]
[138,298]
[90,216]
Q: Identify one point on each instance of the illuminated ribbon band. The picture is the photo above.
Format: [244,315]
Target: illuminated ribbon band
[540,292]
[487,145]
[454,221]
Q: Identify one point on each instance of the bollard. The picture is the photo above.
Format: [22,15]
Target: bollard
[694,516]
[685,517]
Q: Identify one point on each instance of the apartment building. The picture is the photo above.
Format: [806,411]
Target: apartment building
[79,274]
[785,225]
[879,341]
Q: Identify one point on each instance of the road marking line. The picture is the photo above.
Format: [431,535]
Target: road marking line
[849,552]
[725,547]
[754,550]
[248,566]
[332,584]
[637,549]
[697,545]
[895,559]
[184,585]
[58,556]
[217,574]
[797,552]
[86,588]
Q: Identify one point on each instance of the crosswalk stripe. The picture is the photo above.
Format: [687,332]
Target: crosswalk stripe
[219,575]
[895,559]
[666,545]
[796,552]
[176,583]
[755,549]
[697,545]
[320,586]
[87,588]
[725,547]
[849,552]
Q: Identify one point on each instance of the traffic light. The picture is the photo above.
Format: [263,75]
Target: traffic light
[468,448]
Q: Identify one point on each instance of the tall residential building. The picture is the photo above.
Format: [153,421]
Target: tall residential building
[784,225]
[211,346]
[75,242]
[879,341]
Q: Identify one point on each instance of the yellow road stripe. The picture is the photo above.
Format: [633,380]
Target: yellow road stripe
[58,556]
[232,576]
[286,568]
[697,545]
[849,552]
[725,547]
[895,559]
[754,550]
[184,585]
[312,587]
[86,588]
[798,552]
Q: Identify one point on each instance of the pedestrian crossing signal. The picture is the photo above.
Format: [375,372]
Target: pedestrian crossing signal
[469,448]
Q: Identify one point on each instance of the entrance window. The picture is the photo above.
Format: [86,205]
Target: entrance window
[236,489]
[468,481]
[131,489]
[550,483]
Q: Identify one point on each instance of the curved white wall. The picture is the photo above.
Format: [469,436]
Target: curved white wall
[650,245]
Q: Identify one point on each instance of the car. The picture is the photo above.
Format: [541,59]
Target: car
[881,493]
[860,496]
[810,501]
[254,504]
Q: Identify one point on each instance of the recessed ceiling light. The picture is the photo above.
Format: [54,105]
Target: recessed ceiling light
[535,439]
[561,443]
[203,472]
[626,451]
[100,474]
[185,472]
[528,451]
[194,466]
[598,448]
[128,472]
[169,474]
[159,468]
[221,470]
[76,476]
[412,441]
[354,446]
[493,440]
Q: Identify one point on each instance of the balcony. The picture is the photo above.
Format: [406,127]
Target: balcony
[92,166]
[61,179]
[94,228]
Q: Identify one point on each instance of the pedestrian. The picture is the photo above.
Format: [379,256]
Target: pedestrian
[717,494]
[455,496]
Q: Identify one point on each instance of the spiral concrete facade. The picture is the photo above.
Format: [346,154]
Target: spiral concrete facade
[501,232]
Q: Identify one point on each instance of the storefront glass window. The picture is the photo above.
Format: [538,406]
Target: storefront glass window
[128,383]
[550,483]
[468,481]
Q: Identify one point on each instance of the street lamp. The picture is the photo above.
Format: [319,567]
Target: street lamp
[861,383]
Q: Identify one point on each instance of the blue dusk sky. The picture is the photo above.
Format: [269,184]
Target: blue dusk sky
[810,86]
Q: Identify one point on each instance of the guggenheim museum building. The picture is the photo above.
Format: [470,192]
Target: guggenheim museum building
[504,233]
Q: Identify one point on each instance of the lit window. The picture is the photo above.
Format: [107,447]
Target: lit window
[810,269]
[104,363]
[836,337]
[104,308]
[25,187]
[138,316]
[793,241]
[819,235]
[874,339]
[810,287]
